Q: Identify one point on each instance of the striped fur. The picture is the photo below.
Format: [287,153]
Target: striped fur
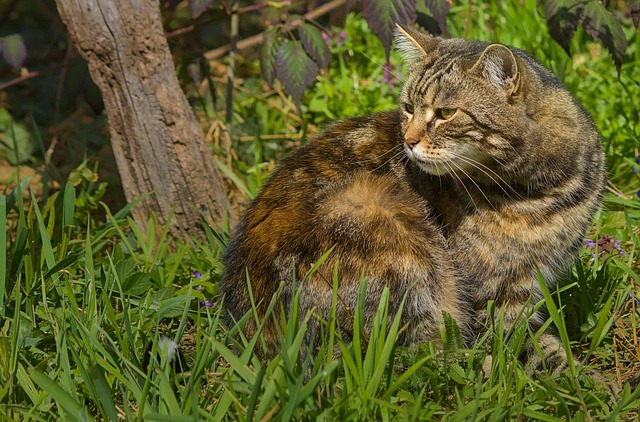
[345,189]
[488,169]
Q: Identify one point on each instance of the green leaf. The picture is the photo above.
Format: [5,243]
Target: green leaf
[295,68]
[16,142]
[137,283]
[383,15]
[14,50]
[439,9]
[452,335]
[173,307]
[314,44]
[602,25]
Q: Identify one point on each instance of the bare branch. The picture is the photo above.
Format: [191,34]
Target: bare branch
[257,39]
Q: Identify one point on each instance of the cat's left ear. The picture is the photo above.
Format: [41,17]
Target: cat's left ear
[413,44]
[499,66]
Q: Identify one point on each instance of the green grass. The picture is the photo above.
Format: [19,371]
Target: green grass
[91,309]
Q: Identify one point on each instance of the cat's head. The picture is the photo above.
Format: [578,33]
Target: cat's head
[466,105]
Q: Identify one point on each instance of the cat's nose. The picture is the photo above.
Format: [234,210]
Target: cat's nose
[411,142]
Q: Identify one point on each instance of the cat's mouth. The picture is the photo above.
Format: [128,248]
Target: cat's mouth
[433,167]
[442,162]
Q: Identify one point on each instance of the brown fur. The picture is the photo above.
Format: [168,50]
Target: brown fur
[505,172]
[345,189]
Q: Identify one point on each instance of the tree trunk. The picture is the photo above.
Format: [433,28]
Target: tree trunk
[157,142]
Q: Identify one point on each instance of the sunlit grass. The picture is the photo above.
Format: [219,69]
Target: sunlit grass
[101,321]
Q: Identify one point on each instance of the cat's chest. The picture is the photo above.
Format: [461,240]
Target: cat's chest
[486,220]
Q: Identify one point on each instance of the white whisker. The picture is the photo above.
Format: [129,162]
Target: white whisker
[472,181]
[485,170]
[453,173]
[381,155]
[390,159]
[382,66]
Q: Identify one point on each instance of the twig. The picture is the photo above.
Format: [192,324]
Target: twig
[613,189]
[21,78]
[180,31]
[286,136]
[273,103]
[188,28]
[257,39]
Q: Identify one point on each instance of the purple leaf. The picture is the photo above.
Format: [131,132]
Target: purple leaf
[602,25]
[198,7]
[383,15]
[439,9]
[268,55]
[563,17]
[314,44]
[13,50]
[295,69]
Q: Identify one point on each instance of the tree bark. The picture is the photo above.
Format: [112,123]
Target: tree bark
[157,142]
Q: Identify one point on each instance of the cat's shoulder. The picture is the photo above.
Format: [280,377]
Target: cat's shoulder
[356,131]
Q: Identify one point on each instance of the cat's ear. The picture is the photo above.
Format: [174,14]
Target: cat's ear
[499,66]
[412,44]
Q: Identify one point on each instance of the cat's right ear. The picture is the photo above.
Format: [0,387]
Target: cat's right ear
[499,65]
[412,44]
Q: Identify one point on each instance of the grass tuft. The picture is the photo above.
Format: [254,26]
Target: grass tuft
[100,321]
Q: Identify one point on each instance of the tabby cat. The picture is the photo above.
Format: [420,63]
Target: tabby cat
[488,169]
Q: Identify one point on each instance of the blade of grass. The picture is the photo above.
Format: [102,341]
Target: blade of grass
[16,194]
[558,320]
[235,179]
[68,205]
[27,384]
[3,254]
[236,364]
[74,409]
[255,393]
[47,249]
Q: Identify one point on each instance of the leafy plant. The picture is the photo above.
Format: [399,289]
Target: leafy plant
[564,17]
[297,63]
[92,309]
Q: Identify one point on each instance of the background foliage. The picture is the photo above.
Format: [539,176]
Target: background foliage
[98,321]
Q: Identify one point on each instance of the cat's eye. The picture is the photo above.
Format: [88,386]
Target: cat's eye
[445,113]
[408,108]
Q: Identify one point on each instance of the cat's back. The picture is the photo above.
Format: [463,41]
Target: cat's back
[291,216]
